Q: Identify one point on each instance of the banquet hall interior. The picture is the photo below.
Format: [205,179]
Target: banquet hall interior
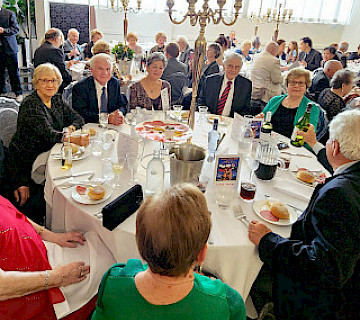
[179,159]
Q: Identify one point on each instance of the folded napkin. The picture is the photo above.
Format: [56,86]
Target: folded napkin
[294,189]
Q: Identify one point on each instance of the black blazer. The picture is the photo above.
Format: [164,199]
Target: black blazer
[85,102]
[11,28]
[209,94]
[313,59]
[48,53]
[318,84]
[322,158]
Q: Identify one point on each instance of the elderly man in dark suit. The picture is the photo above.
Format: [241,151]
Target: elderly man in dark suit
[8,52]
[322,78]
[309,57]
[227,93]
[316,271]
[99,93]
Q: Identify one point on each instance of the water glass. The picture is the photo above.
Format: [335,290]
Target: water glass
[103,119]
[96,148]
[107,170]
[202,114]
[177,111]
[132,163]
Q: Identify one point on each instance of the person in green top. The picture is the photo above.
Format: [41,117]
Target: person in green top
[286,110]
[171,234]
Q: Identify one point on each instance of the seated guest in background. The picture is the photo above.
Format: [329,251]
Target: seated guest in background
[95,36]
[185,50]
[232,39]
[160,39]
[36,262]
[292,52]
[245,50]
[146,93]
[72,49]
[99,93]
[132,39]
[329,53]
[51,52]
[101,47]
[331,99]
[314,274]
[224,44]
[171,233]
[282,55]
[355,55]
[42,117]
[286,110]
[309,57]
[322,78]
[212,53]
[343,49]
[227,93]
[173,65]
[256,44]
[266,75]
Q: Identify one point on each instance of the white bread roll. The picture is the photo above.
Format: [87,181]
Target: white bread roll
[279,210]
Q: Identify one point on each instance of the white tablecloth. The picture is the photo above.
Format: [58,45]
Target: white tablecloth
[231,256]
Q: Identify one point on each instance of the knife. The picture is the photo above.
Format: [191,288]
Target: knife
[77,174]
[296,154]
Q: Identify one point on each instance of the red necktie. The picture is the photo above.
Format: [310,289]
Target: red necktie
[222,100]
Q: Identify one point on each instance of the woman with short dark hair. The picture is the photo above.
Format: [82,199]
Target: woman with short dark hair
[171,233]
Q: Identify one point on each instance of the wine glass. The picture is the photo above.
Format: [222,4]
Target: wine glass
[118,167]
[130,117]
[103,119]
[132,162]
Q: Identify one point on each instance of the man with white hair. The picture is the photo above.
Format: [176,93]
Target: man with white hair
[266,75]
[72,49]
[227,93]
[322,78]
[315,273]
[99,93]
[185,50]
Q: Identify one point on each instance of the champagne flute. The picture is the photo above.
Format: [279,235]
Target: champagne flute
[118,167]
[132,163]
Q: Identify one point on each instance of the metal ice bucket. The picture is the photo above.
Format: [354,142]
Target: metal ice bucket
[186,161]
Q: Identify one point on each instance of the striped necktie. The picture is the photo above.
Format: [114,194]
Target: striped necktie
[222,100]
[103,102]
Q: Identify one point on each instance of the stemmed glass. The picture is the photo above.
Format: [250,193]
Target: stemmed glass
[130,117]
[118,167]
[132,163]
[103,119]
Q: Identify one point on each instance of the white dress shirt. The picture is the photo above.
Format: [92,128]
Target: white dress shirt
[98,88]
[228,103]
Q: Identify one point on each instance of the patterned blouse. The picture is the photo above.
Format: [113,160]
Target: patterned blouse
[157,49]
[139,98]
[331,103]
[38,129]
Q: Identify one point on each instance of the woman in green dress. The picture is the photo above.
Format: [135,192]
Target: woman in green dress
[171,233]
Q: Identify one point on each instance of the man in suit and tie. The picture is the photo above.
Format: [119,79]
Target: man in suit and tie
[309,57]
[72,49]
[99,93]
[8,52]
[227,93]
[315,273]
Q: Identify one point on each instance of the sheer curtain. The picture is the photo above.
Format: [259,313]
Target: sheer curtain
[315,11]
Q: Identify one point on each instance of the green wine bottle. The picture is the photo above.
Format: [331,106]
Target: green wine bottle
[296,139]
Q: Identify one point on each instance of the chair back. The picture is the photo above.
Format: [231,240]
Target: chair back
[67,93]
[9,103]
[8,123]
[323,123]
[178,82]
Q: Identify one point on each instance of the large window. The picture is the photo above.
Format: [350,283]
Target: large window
[314,11]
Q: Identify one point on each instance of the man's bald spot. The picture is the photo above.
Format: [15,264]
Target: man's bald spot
[273,48]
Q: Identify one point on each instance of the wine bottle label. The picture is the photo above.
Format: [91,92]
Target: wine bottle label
[294,134]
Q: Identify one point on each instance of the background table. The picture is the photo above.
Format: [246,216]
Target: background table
[231,255]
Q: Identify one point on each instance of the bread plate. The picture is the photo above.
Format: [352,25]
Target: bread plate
[82,153]
[282,222]
[85,199]
[221,120]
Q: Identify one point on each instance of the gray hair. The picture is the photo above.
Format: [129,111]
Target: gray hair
[73,30]
[342,77]
[100,57]
[217,49]
[345,129]
[232,56]
[182,38]
[156,56]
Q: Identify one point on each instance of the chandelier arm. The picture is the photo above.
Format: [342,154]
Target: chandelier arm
[178,22]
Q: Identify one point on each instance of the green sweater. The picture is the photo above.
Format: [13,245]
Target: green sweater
[118,298]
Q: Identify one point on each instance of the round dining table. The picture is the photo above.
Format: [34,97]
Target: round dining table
[231,256]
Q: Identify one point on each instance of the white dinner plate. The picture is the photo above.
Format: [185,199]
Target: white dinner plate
[84,155]
[221,120]
[282,222]
[85,199]
[293,173]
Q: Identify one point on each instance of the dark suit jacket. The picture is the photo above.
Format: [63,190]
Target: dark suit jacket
[11,28]
[313,59]
[209,94]
[174,65]
[322,158]
[67,47]
[48,53]
[85,102]
[317,270]
[318,84]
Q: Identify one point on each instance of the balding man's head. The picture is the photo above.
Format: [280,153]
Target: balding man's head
[331,66]
[272,48]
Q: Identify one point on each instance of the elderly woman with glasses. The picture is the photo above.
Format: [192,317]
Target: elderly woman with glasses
[172,230]
[41,120]
[286,110]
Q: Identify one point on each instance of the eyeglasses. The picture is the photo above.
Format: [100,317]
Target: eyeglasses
[298,83]
[49,81]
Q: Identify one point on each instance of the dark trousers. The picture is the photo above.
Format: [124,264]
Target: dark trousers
[10,63]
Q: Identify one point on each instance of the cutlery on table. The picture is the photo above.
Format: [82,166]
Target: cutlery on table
[87,182]
[240,215]
[77,174]
[294,154]
[288,204]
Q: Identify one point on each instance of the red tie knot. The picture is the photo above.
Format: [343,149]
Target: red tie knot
[229,83]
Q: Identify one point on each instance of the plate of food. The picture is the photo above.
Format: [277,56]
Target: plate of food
[309,177]
[78,153]
[274,211]
[164,131]
[91,194]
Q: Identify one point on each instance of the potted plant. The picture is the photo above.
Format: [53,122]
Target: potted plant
[124,58]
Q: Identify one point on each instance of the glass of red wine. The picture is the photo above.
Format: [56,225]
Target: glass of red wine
[247,190]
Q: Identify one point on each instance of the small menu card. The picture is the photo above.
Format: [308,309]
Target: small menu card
[127,146]
[227,170]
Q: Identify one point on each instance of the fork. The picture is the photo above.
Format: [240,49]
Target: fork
[240,215]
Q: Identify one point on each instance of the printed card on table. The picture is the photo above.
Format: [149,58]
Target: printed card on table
[227,169]
[127,146]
